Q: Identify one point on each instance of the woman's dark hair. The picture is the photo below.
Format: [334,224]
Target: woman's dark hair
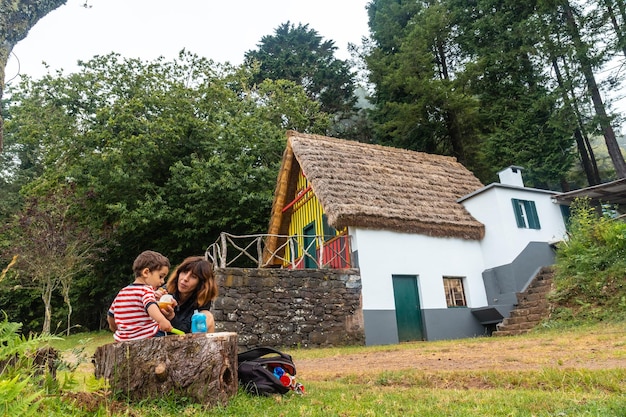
[201,268]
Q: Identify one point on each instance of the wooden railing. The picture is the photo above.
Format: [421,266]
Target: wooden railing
[252,251]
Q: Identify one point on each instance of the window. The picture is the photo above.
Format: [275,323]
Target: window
[526,214]
[455,295]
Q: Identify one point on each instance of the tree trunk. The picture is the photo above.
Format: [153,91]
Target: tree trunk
[586,155]
[17,17]
[46,296]
[68,303]
[609,134]
[202,367]
[616,26]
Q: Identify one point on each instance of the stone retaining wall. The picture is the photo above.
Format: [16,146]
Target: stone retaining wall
[290,308]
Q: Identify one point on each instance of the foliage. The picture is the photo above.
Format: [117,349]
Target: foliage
[12,344]
[299,54]
[160,155]
[19,394]
[50,247]
[590,267]
[16,399]
[421,102]
[493,83]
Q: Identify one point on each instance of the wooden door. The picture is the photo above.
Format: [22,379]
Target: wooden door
[408,310]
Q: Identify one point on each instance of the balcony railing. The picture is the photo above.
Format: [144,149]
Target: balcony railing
[253,251]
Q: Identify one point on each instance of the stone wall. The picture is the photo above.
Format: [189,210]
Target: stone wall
[290,308]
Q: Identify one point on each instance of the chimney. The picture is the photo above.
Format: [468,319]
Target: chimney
[511,176]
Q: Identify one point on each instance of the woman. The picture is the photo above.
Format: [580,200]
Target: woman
[193,286]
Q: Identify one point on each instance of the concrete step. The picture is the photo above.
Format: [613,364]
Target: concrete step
[532,307]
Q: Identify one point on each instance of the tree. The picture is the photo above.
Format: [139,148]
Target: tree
[166,155]
[582,54]
[299,54]
[16,19]
[421,103]
[51,248]
[521,120]
[460,79]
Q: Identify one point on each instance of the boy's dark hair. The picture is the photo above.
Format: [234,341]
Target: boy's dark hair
[151,260]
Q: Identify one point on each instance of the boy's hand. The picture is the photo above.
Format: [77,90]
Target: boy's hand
[165,325]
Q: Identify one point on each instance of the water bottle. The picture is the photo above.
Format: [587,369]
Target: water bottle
[198,322]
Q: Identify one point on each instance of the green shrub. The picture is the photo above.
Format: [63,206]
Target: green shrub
[20,386]
[591,268]
[17,398]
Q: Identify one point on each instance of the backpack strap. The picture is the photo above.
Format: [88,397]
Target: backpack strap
[259,352]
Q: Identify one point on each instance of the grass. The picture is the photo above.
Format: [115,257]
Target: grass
[529,382]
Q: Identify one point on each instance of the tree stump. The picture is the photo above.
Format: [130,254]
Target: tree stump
[201,366]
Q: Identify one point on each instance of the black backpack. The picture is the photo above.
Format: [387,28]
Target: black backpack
[256,370]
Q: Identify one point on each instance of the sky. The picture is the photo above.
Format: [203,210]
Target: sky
[219,30]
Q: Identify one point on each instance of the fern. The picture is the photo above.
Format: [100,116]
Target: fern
[17,397]
[12,343]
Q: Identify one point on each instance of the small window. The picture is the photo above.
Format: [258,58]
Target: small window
[526,214]
[455,295]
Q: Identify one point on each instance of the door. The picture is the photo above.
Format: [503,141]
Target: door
[408,311]
[310,251]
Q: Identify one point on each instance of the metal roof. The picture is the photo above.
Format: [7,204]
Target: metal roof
[613,192]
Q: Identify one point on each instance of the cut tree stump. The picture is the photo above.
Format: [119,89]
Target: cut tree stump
[200,366]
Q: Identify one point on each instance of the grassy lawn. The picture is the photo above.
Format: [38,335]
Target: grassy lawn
[582,373]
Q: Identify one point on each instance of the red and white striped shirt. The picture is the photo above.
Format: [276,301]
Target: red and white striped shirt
[130,310]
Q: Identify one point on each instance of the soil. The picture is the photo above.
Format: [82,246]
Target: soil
[594,350]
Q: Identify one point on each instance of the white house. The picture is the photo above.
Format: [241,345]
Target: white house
[440,255]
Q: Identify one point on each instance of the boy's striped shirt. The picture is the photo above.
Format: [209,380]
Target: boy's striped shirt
[130,309]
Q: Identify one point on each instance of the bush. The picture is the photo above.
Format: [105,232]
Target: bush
[591,268]
[20,385]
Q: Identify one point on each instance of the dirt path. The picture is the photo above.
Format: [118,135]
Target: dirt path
[597,350]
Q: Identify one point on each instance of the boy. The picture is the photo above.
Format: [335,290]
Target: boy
[134,313]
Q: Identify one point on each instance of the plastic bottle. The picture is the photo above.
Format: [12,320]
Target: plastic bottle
[198,322]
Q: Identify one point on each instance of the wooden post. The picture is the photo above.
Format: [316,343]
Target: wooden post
[201,366]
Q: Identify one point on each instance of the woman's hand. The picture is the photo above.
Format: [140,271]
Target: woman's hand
[168,311]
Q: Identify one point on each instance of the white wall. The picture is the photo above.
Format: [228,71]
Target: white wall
[503,239]
[383,254]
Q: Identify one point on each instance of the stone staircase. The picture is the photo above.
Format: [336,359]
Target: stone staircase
[532,306]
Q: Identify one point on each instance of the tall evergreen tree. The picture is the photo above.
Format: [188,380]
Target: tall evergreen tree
[586,63]
[521,119]
[460,78]
[421,100]
[299,54]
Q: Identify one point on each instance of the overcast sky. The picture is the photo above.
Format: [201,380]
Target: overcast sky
[219,30]
[222,30]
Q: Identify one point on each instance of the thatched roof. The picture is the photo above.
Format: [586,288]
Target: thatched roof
[378,187]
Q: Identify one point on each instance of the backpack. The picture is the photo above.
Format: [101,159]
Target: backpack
[256,371]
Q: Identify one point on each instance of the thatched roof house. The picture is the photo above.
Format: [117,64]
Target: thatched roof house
[377,187]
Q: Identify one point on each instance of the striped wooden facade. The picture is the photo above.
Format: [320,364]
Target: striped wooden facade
[307,221]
